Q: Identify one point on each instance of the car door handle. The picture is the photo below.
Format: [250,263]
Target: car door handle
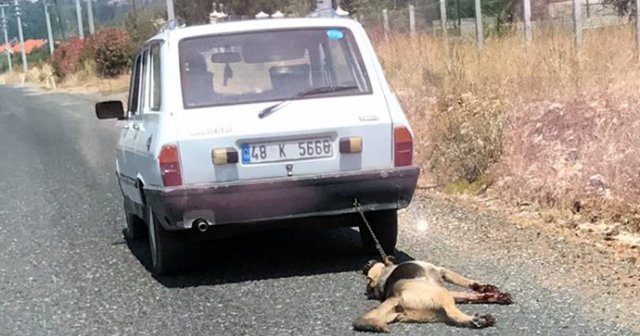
[136,127]
[125,126]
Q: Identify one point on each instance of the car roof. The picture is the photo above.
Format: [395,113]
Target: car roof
[253,25]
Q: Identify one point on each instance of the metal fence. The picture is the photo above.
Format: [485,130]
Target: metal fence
[433,17]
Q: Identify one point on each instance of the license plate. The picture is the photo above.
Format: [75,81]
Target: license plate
[287,150]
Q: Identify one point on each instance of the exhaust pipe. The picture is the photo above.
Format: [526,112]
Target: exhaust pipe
[201,224]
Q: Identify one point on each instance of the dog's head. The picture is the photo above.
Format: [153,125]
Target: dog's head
[373,269]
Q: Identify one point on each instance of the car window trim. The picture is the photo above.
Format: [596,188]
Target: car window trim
[144,80]
[134,87]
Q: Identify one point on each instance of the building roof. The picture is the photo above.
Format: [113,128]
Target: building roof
[29,46]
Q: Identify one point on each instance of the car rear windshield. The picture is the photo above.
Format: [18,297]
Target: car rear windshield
[270,66]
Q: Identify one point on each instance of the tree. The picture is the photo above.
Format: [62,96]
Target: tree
[142,24]
[623,7]
[368,6]
[197,11]
[502,9]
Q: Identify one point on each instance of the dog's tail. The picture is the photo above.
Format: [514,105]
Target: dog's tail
[378,318]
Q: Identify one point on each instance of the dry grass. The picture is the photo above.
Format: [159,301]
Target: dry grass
[542,123]
[38,76]
[11,78]
[86,80]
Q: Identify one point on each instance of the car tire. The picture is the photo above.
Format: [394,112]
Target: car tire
[165,247]
[385,226]
[135,228]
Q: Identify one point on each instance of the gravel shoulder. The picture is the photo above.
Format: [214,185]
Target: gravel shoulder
[538,260]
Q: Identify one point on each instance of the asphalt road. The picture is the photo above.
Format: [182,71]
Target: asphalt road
[65,268]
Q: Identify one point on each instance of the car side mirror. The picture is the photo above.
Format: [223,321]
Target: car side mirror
[111,109]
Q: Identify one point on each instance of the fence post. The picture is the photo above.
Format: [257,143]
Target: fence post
[385,23]
[479,33]
[577,24]
[443,17]
[527,21]
[637,24]
[412,20]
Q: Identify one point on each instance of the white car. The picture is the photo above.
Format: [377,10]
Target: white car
[246,125]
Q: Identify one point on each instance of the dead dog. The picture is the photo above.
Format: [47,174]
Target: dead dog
[413,291]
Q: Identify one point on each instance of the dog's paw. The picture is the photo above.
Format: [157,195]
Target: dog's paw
[498,297]
[483,321]
[370,325]
[486,288]
[504,298]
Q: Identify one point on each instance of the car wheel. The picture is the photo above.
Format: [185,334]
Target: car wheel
[165,247]
[135,228]
[385,226]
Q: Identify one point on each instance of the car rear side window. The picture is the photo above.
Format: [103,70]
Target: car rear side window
[270,66]
[155,78]
[134,87]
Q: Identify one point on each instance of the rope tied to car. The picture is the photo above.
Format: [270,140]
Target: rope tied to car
[360,210]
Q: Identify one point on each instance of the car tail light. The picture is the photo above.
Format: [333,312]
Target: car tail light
[170,166]
[403,146]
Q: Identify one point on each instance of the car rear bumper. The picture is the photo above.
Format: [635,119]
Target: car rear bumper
[283,198]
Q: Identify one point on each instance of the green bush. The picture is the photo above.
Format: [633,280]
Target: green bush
[38,56]
[112,51]
[69,56]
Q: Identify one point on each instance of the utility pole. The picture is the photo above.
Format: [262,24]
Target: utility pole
[79,16]
[59,17]
[527,21]
[49,31]
[92,28]
[479,33]
[171,14]
[25,66]
[3,23]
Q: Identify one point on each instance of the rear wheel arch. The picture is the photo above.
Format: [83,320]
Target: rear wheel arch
[141,191]
[140,186]
[135,225]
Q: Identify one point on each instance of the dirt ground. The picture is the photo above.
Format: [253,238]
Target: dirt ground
[604,272]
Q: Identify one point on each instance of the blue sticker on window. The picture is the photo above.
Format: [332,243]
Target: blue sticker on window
[334,34]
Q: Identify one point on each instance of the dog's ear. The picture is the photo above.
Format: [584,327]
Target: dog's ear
[368,265]
[389,260]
